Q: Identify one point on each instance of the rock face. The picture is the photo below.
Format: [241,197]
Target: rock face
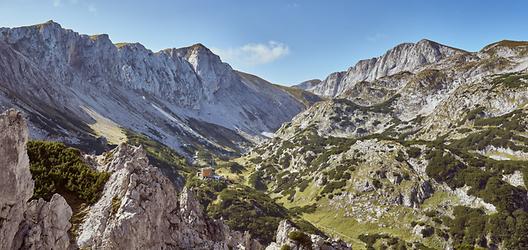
[72,86]
[15,181]
[317,241]
[404,57]
[37,224]
[45,225]
[142,209]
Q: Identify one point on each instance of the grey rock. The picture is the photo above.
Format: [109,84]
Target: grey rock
[142,209]
[15,181]
[46,225]
[70,83]
[404,57]
[318,242]
[36,224]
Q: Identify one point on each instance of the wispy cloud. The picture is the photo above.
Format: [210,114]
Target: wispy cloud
[92,8]
[376,37]
[293,5]
[253,54]
[89,6]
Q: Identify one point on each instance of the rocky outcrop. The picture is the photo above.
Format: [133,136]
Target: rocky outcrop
[404,57]
[142,209]
[45,225]
[312,241]
[15,181]
[417,194]
[36,224]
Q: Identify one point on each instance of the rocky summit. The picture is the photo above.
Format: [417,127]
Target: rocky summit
[77,88]
[114,146]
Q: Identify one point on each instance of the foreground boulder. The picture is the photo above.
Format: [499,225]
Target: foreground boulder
[36,224]
[45,225]
[290,237]
[16,184]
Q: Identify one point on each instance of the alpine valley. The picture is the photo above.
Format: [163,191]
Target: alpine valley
[109,146]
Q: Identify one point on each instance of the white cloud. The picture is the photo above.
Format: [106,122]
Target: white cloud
[91,8]
[253,54]
[376,37]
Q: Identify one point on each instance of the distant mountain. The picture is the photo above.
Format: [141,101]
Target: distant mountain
[404,57]
[424,147]
[307,85]
[75,88]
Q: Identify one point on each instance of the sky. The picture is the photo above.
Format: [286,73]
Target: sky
[283,41]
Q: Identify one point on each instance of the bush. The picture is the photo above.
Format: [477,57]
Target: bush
[442,166]
[285,247]
[234,167]
[57,168]
[245,209]
[255,181]
[414,152]
[205,191]
[428,231]
[400,157]
[330,187]
[300,237]
[159,155]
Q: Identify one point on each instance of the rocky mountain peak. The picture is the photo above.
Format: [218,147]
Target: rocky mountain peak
[403,57]
[50,24]
[507,48]
[307,85]
[72,73]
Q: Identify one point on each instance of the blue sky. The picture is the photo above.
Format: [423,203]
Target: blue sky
[284,41]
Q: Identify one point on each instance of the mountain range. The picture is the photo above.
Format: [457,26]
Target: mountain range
[424,147]
[76,88]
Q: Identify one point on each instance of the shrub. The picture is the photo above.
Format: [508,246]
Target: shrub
[442,166]
[285,247]
[414,152]
[234,167]
[400,157]
[57,168]
[159,155]
[428,231]
[376,183]
[300,237]
[245,209]
[330,187]
[255,181]
[205,190]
